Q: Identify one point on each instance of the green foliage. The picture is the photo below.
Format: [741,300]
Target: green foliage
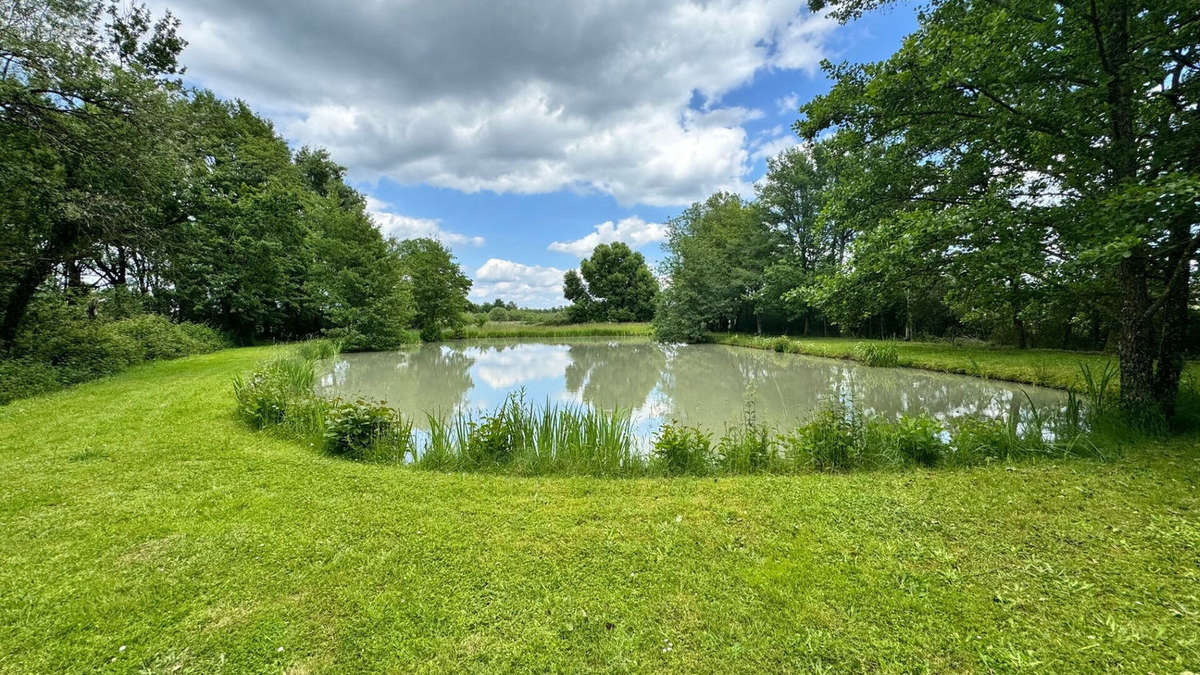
[59,345]
[683,450]
[877,354]
[439,287]
[748,447]
[716,252]
[916,439]
[833,440]
[616,285]
[363,430]
[22,378]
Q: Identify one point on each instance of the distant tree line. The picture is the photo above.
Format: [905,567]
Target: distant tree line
[118,185]
[1026,171]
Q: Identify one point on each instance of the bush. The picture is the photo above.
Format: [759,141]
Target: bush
[877,354]
[833,440]
[748,447]
[916,439]
[23,378]
[781,345]
[493,438]
[683,450]
[156,337]
[363,430]
[976,440]
[69,346]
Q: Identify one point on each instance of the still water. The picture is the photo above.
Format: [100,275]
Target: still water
[702,385]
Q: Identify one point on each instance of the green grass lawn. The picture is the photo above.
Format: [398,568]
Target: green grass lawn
[142,527]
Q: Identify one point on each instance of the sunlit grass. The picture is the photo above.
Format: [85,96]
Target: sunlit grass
[138,512]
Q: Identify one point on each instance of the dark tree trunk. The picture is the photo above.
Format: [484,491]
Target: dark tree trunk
[1174,324]
[63,239]
[1136,350]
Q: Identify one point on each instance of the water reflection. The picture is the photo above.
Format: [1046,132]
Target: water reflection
[704,385]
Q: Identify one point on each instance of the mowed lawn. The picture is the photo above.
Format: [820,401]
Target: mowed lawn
[142,527]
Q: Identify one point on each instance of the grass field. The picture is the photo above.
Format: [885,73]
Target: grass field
[143,528]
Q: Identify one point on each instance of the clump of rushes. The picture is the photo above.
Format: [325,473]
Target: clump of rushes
[833,440]
[877,354]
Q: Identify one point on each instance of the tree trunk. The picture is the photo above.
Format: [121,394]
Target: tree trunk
[20,296]
[1174,324]
[63,239]
[1136,350]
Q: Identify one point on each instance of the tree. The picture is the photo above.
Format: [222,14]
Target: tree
[716,254]
[1073,125]
[439,287]
[614,284]
[83,90]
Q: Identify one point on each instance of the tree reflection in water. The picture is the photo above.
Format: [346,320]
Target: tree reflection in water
[703,385]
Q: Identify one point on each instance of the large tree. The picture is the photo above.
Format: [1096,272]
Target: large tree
[1066,132]
[614,284]
[439,287]
[717,251]
[84,89]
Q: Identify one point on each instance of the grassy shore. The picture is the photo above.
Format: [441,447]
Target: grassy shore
[143,527]
[514,329]
[1045,367]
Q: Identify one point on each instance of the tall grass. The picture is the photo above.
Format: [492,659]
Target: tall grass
[524,439]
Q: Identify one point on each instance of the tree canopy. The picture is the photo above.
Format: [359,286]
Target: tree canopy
[614,284]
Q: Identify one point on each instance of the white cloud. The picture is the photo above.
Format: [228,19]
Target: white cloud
[525,98]
[772,142]
[526,285]
[788,105]
[633,231]
[407,227]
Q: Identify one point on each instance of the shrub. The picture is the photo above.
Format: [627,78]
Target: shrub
[833,440]
[492,439]
[748,447]
[976,440]
[364,430]
[781,344]
[916,439]
[683,450]
[877,354]
[23,378]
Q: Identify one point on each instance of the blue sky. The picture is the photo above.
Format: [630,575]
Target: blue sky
[523,133]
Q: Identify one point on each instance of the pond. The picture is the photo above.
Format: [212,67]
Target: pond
[702,385]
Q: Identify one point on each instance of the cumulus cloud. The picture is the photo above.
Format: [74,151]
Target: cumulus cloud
[788,105]
[619,97]
[526,285]
[633,231]
[772,142]
[407,227]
